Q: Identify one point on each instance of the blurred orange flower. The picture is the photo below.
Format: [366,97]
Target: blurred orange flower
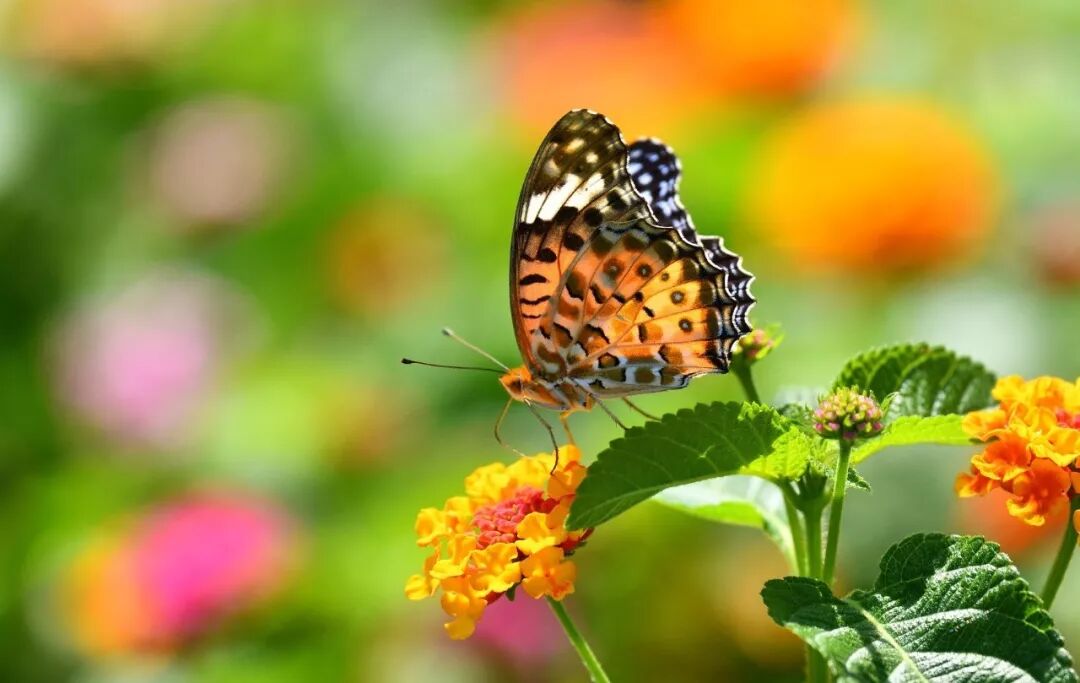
[875,185]
[612,57]
[655,67]
[368,247]
[1033,442]
[764,47]
[508,530]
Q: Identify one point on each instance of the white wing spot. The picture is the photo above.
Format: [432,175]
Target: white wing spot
[589,191]
[550,204]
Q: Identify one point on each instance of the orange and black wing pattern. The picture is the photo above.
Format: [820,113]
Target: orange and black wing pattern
[611,287]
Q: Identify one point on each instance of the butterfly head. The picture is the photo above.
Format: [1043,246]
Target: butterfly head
[521,385]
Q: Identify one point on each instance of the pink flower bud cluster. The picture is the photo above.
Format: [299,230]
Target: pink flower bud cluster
[848,415]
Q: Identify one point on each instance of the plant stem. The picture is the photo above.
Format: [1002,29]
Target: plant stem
[816,670]
[798,531]
[1064,556]
[741,369]
[839,489]
[592,664]
[813,541]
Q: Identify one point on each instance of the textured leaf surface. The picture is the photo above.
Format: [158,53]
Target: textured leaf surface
[927,380]
[942,430]
[738,500]
[949,609]
[710,440]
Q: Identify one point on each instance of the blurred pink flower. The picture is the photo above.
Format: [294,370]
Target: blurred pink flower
[525,632]
[1055,231]
[219,161]
[137,366]
[177,572]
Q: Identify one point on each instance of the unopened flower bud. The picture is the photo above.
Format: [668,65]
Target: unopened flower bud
[846,414]
[758,344]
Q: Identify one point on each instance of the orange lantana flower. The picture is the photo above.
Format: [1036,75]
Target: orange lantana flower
[1033,444]
[508,530]
[877,185]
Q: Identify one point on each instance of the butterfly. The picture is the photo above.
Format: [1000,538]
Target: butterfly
[612,291]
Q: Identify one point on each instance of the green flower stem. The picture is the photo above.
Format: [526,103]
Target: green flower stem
[1064,556]
[813,541]
[592,664]
[816,669]
[808,559]
[798,532]
[839,489]
[740,367]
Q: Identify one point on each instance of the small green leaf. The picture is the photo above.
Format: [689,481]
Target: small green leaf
[856,481]
[711,440]
[738,500]
[927,380]
[943,430]
[948,609]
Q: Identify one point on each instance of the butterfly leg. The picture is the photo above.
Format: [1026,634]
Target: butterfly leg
[612,415]
[639,410]
[550,431]
[498,423]
[564,419]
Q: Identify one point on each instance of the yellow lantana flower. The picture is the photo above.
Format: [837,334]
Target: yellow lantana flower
[1033,443]
[508,530]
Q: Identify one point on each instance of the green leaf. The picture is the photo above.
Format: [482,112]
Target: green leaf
[856,481]
[946,609]
[943,430]
[738,500]
[927,380]
[710,440]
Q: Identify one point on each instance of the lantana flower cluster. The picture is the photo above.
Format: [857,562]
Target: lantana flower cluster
[508,530]
[848,415]
[1032,445]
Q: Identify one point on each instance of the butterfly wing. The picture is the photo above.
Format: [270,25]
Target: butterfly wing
[577,182]
[655,172]
[612,287]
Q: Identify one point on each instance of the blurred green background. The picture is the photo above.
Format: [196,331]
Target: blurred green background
[222,223]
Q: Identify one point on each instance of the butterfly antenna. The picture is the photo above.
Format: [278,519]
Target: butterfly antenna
[550,431]
[453,335]
[498,423]
[410,361]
